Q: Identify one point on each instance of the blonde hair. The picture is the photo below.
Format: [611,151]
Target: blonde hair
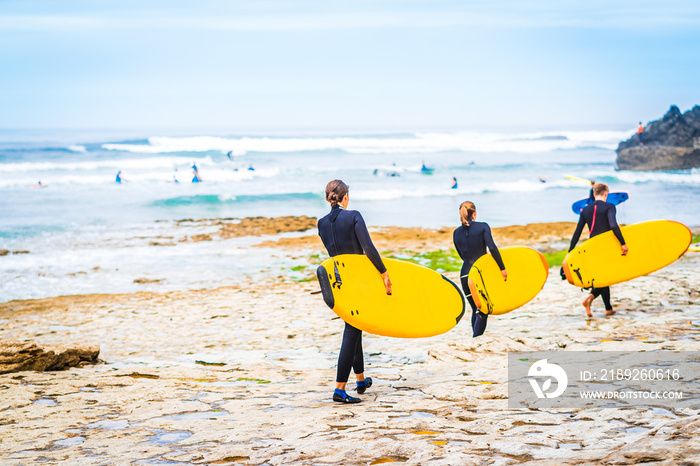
[336,190]
[600,188]
[467,209]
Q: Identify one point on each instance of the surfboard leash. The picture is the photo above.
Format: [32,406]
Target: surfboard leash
[338,280]
[485,294]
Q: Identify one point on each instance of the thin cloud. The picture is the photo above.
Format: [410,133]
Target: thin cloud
[493,15]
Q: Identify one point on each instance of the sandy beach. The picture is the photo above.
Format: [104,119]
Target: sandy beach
[244,374]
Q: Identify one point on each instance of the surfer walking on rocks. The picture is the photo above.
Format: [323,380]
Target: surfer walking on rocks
[344,232]
[600,218]
[471,240]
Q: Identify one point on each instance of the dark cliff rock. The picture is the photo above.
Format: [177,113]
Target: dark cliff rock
[671,143]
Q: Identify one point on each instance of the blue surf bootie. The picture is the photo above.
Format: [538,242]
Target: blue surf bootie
[364,385]
[341,396]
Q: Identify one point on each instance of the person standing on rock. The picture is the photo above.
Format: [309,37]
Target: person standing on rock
[600,218]
[640,132]
[344,232]
[471,240]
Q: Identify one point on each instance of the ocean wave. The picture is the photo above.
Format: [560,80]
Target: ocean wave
[519,186]
[97,164]
[417,143]
[136,176]
[219,199]
[634,177]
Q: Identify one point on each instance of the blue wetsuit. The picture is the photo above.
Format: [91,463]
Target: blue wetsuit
[599,215]
[344,232]
[471,243]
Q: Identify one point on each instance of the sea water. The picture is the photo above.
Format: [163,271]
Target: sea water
[86,233]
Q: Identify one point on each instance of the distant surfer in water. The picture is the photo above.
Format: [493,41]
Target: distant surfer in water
[344,232]
[591,197]
[600,217]
[195,171]
[454,183]
[119,177]
[471,240]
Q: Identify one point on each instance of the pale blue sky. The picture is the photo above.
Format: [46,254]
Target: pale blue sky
[287,64]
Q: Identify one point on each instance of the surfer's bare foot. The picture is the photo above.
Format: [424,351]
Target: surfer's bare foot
[587,305]
[609,313]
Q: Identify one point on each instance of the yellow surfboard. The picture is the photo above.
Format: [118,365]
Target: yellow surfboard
[527,272]
[579,179]
[652,245]
[694,247]
[423,303]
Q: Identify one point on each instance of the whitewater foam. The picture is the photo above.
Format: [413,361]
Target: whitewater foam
[415,143]
[119,164]
[76,148]
[85,222]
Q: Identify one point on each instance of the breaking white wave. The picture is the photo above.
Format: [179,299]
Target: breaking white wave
[97,164]
[690,177]
[417,143]
[76,148]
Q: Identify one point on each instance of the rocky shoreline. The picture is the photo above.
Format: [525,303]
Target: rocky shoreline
[671,143]
[244,374]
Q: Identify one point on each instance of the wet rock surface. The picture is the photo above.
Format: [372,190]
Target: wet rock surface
[539,235]
[226,228]
[244,375]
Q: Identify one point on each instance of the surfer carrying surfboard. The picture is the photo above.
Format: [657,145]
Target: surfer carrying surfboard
[344,232]
[471,240]
[600,218]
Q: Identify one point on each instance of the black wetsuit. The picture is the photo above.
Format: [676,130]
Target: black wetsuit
[600,218]
[344,232]
[471,243]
